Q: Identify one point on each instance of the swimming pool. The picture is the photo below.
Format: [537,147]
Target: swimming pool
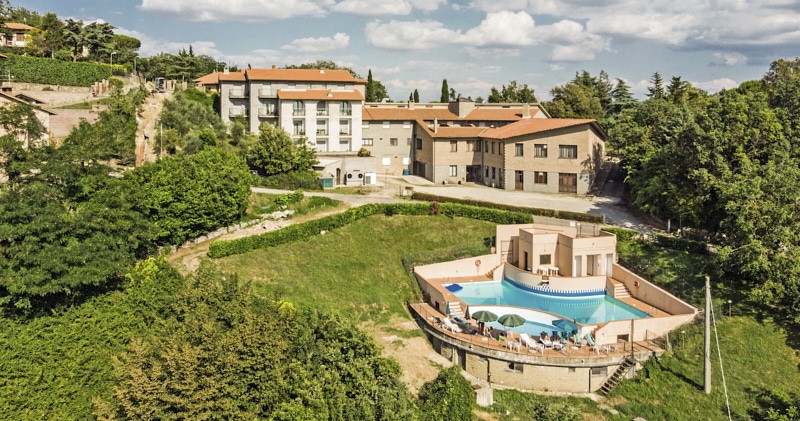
[587,310]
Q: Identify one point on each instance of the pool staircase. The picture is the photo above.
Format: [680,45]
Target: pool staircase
[620,290]
[617,376]
[454,309]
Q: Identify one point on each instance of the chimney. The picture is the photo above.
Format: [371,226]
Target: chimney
[526,110]
[226,70]
[435,125]
[322,71]
[330,94]
[410,105]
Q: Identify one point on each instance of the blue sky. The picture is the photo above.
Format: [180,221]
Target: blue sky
[475,44]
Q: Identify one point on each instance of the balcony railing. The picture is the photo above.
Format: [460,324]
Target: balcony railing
[323,132]
[265,112]
[298,112]
[344,132]
[236,112]
[299,132]
[322,111]
[264,93]
[346,112]
[236,94]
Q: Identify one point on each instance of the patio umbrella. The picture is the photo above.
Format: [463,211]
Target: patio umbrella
[483,317]
[511,320]
[565,325]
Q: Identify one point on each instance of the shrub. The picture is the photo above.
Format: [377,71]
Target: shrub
[304,180]
[574,216]
[56,72]
[448,396]
[289,198]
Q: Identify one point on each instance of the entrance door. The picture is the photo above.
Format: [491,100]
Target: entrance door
[567,183]
[609,263]
[338,176]
[419,168]
[473,173]
[592,263]
[576,267]
[525,263]
[518,180]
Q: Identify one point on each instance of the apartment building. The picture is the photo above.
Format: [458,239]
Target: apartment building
[15,34]
[324,106]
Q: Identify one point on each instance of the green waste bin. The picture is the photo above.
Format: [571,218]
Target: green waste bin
[326,182]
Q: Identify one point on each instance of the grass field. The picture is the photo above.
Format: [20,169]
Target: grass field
[261,203]
[358,270]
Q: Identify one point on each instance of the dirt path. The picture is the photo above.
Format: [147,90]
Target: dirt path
[147,132]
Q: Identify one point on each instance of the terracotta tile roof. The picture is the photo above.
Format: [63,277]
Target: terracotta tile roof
[536,125]
[209,79]
[321,94]
[497,114]
[458,132]
[18,26]
[404,114]
[232,77]
[303,75]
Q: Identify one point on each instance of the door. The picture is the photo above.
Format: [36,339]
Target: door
[473,173]
[592,263]
[338,176]
[609,263]
[567,183]
[519,180]
[525,263]
[576,267]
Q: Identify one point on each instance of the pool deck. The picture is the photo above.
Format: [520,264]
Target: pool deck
[573,354]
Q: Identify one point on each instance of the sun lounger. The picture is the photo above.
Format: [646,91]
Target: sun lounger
[447,324]
[530,343]
[546,342]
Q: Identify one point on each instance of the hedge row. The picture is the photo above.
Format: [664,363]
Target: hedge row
[55,72]
[573,216]
[309,229]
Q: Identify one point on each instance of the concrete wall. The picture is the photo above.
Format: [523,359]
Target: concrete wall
[389,159]
[458,268]
[643,329]
[645,291]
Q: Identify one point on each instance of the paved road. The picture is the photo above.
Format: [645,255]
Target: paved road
[615,213]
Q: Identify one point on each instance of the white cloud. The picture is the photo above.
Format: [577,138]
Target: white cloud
[340,40]
[502,29]
[237,10]
[728,59]
[716,85]
[412,35]
[373,7]
[427,5]
[491,53]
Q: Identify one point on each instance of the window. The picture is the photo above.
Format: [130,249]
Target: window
[486,146]
[518,149]
[408,141]
[545,259]
[365,124]
[299,108]
[345,108]
[539,177]
[387,125]
[540,150]
[494,172]
[322,144]
[487,172]
[515,367]
[492,147]
[406,160]
[567,151]
[299,127]
[367,141]
[406,124]
[386,161]
[599,371]
[393,141]
[478,144]
[453,146]
[322,108]
[344,127]
[453,171]
[567,183]
[344,144]
[419,144]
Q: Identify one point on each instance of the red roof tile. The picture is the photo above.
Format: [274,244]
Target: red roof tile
[303,75]
[404,114]
[18,26]
[320,94]
[535,125]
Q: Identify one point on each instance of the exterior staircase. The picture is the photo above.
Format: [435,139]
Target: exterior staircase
[454,309]
[490,274]
[617,376]
[620,290]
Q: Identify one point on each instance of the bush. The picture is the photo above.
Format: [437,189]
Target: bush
[574,216]
[449,396]
[56,72]
[289,198]
[309,229]
[303,180]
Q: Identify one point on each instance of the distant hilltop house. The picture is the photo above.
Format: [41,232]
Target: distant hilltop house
[44,116]
[17,34]
[507,146]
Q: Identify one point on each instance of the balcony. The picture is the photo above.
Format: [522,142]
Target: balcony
[298,112]
[345,132]
[236,112]
[322,132]
[299,132]
[265,112]
[346,112]
[321,111]
[237,93]
[265,93]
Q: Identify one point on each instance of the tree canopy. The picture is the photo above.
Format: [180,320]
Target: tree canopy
[274,152]
[513,92]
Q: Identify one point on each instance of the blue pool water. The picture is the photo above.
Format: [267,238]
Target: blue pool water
[586,310]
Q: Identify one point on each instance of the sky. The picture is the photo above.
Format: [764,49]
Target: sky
[474,44]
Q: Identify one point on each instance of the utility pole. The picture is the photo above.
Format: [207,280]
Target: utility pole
[707,342]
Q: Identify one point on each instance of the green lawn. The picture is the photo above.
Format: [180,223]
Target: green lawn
[358,270]
[262,203]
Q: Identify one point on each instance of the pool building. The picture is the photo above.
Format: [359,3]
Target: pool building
[584,321]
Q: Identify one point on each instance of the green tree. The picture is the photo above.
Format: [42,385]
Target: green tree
[448,396]
[445,92]
[677,89]
[416,96]
[53,29]
[574,100]
[370,88]
[74,37]
[621,97]
[274,152]
[657,90]
[187,196]
[512,92]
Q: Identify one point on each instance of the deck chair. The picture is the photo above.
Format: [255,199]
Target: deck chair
[447,324]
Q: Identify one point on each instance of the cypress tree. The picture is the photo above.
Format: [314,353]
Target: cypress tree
[416,95]
[445,92]
[370,89]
